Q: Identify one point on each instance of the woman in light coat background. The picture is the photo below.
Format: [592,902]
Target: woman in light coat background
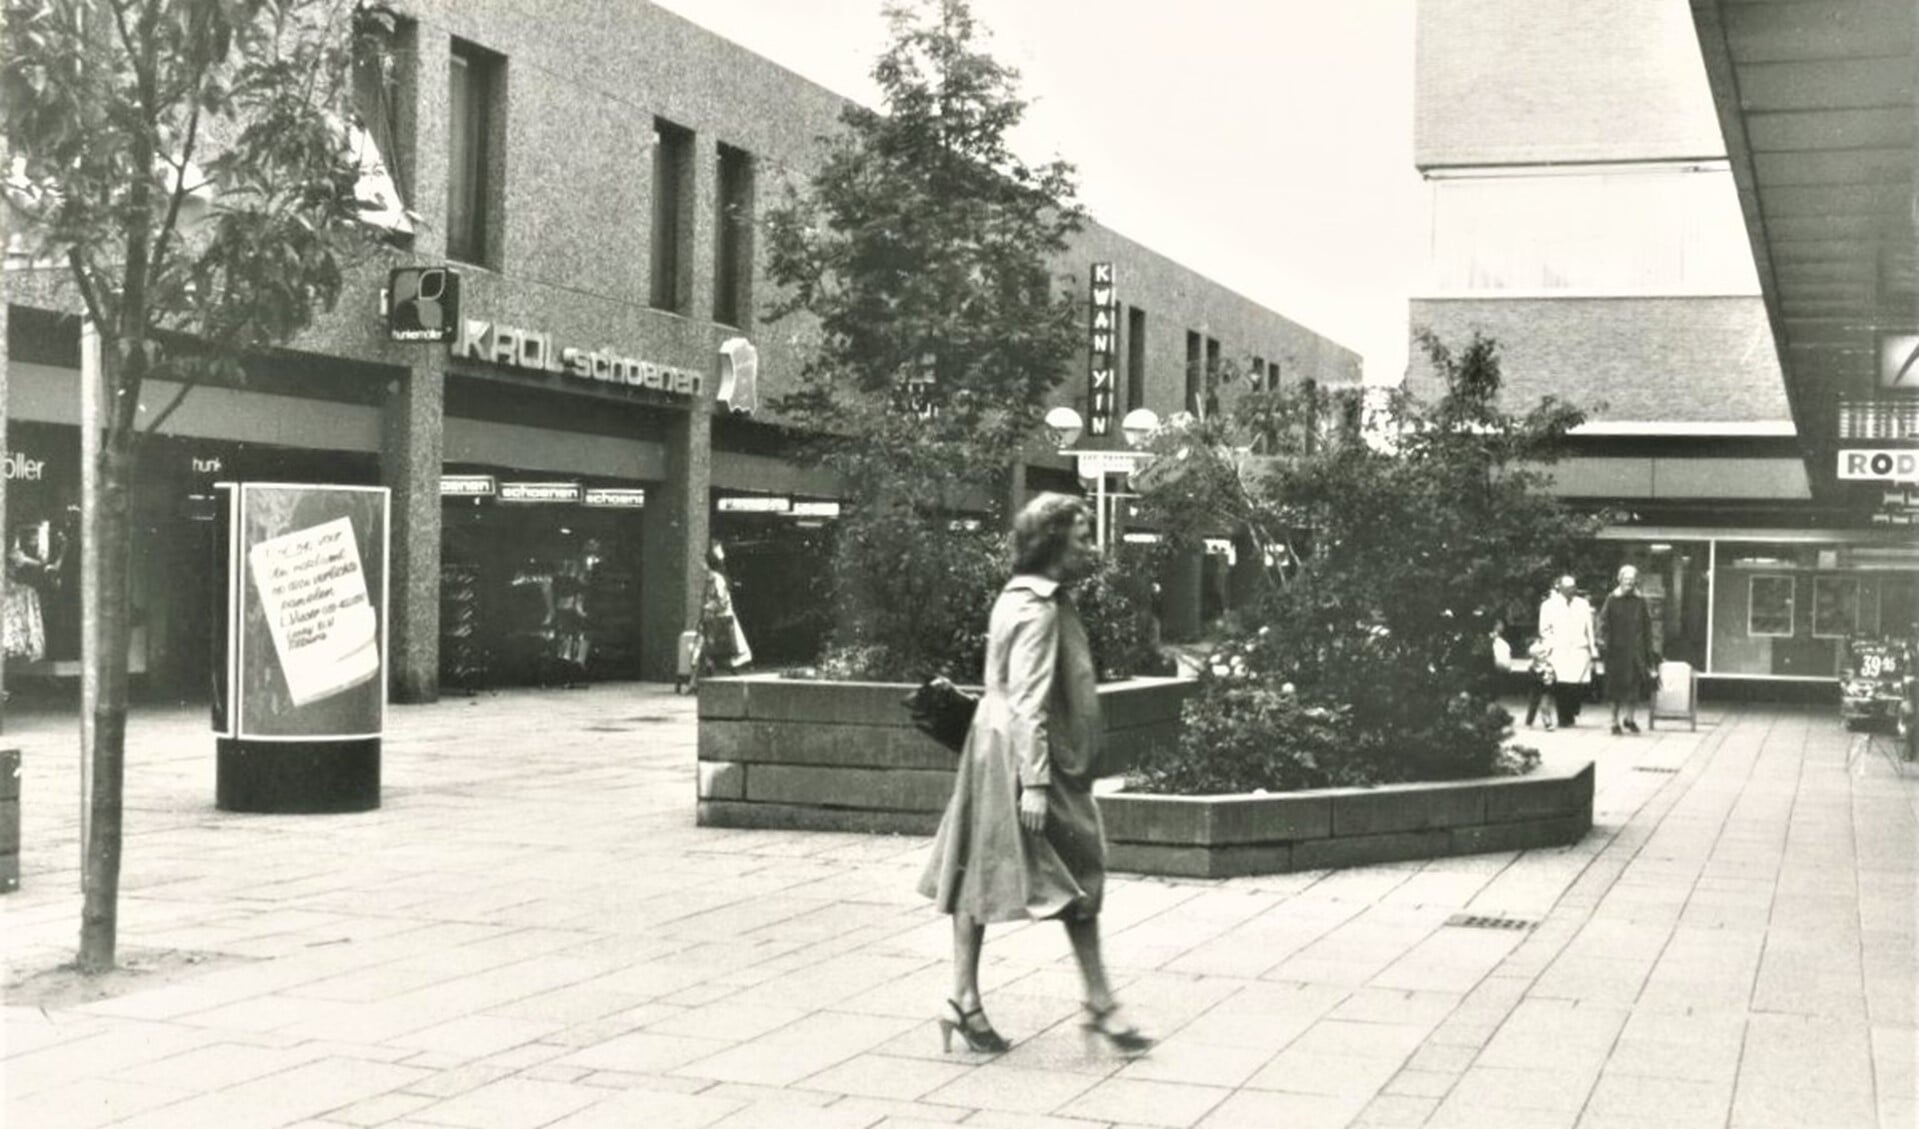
[1021,838]
[1566,629]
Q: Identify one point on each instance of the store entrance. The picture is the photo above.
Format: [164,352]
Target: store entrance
[779,565]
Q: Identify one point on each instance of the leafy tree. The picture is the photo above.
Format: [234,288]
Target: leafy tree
[1387,564]
[921,247]
[125,118]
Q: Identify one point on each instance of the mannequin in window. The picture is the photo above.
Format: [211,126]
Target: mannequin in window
[27,566]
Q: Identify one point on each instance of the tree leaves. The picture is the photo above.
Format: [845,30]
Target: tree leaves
[114,102]
[918,253]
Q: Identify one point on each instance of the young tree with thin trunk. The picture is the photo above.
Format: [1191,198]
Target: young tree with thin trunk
[186,167]
[924,249]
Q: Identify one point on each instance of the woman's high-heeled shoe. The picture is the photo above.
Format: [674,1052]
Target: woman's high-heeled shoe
[1126,1040]
[973,1028]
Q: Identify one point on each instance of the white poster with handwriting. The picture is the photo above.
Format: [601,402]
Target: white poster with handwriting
[313,591]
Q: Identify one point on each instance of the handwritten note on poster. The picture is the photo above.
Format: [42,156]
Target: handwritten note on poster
[313,591]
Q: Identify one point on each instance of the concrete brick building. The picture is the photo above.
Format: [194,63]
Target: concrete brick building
[1584,215]
[594,172]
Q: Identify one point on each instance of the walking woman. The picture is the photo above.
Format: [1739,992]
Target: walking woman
[1626,644]
[1021,838]
[722,642]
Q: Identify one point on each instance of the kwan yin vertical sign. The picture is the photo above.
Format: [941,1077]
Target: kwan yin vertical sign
[1102,370]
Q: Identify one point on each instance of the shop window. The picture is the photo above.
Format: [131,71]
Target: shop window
[381,133]
[672,219]
[733,240]
[540,593]
[1769,606]
[1835,606]
[475,151]
[1135,358]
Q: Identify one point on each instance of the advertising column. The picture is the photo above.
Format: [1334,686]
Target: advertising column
[300,701]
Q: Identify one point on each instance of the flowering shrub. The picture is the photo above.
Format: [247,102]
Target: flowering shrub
[1243,735]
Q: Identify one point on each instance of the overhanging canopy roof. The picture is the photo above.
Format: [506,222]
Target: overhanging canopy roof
[1819,102]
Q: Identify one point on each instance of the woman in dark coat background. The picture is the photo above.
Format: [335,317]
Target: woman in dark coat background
[1021,838]
[1626,646]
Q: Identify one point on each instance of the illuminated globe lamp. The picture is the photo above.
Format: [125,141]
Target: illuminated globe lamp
[1067,426]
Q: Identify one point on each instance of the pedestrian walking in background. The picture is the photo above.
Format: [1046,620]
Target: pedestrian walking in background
[1626,645]
[1566,629]
[1021,838]
[723,644]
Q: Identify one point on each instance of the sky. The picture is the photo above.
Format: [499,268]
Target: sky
[1266,144]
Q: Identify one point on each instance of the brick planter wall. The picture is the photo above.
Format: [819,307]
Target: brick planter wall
[843,756]
[1224,836]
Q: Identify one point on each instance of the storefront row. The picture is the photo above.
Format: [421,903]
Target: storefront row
[544,578]
[1756,605]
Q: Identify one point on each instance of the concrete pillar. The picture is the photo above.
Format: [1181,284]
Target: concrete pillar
[413,427]
[675,531]
[698,266]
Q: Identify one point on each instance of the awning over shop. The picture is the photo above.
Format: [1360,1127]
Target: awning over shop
[1819,102]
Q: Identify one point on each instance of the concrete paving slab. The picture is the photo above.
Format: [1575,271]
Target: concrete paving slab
[498,946]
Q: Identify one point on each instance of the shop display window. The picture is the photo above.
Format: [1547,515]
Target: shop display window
[1838,607]
[1769,604]
[1788,609]
[538,595]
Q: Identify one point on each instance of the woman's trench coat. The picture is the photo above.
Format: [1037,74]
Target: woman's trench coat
[1038,724]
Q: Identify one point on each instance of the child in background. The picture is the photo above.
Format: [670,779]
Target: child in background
[1542,679]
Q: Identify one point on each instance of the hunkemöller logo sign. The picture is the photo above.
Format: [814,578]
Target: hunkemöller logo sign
[533,351]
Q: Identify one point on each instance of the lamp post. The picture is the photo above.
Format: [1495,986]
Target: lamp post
[1096,464]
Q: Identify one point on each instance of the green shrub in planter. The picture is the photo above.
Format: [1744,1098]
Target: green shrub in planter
[1388,557]
[1116,605]
[1243,733]
[937,595]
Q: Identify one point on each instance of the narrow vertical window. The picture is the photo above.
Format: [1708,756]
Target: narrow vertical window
[1212,377]
[672,219]
[473,174]
[382,130]
[733,240]
[1195,397]
[1309,392]
[1135,358]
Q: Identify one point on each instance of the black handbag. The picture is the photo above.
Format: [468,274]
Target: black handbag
[942,711]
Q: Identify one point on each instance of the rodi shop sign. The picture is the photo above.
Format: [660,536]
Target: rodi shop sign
[533,351]
[1895,464]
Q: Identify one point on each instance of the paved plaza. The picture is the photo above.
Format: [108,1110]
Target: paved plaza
[532,934]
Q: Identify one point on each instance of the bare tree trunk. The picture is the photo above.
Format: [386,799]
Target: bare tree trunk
[112,531]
